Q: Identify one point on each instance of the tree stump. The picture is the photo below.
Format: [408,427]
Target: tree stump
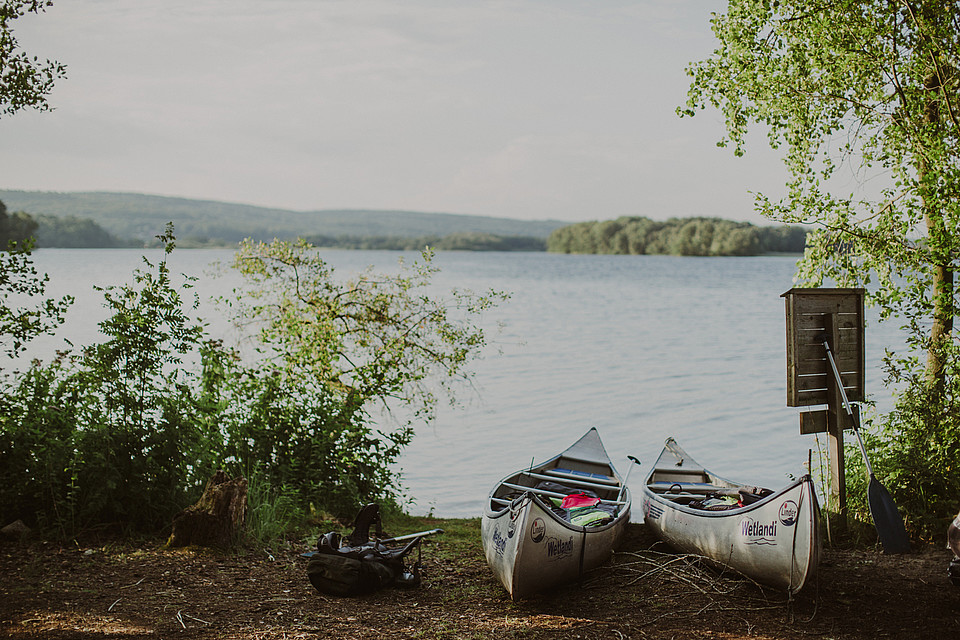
[216,518]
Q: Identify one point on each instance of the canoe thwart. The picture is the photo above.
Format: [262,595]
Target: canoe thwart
[549,494]
[582,475]
[573,482]
[700,488]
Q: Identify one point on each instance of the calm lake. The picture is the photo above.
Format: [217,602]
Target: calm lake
[641,347]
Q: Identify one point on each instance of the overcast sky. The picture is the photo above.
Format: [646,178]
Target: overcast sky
[528,109]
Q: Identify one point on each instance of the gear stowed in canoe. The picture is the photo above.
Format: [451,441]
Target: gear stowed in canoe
[771,537]
[549,524]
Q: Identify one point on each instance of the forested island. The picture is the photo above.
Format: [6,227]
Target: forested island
[676,236]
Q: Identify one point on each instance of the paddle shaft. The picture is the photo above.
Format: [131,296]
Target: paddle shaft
[411,536]
[886,517]
[623,489]
[846,404]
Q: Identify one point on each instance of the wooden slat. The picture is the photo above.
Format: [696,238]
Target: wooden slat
[822,367]
[813,323]
[823,381]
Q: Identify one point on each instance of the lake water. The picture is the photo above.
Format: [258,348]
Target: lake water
[641,347]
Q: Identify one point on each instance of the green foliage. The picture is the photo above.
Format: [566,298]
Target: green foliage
[296,434]
[127,432]
[677,236]
[915,454]
[20,282]
[103,438]
[38,457]
[25,82]
[862,97]
[377,337]
[272,513]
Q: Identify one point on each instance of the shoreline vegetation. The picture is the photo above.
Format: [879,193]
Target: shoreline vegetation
[110,220]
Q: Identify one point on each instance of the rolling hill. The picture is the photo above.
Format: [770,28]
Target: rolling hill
[141,217]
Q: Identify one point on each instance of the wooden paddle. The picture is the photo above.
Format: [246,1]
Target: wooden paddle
[883,510]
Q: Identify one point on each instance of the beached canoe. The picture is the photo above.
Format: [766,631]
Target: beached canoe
[770,537]
[551,523]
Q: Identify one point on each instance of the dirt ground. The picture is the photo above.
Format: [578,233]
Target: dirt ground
[122,590]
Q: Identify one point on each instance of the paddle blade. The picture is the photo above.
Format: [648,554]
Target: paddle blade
[887,519]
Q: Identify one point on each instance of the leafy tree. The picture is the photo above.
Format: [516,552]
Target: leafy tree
[114,435]
[19,281]
[25,82]
[868,86]
[374,338]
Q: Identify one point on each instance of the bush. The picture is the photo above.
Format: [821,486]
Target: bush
[127,433]
[915,452]
[299,435]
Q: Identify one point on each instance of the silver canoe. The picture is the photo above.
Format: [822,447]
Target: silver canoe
[529,545]
[771,537]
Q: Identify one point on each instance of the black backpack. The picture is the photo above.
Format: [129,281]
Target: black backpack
[356,565]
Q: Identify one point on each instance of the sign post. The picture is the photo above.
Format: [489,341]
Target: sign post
[837,316]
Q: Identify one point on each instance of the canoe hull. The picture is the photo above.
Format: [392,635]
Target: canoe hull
[775,541]
[530,548]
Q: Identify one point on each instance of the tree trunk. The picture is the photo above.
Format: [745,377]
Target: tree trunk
[942,329]
[216,519]
[940,242]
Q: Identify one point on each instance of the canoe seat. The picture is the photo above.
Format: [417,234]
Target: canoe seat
[674,474]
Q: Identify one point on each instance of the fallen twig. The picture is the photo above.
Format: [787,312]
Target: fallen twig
[197,619]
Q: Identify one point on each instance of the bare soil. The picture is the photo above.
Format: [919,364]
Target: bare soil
[142,590]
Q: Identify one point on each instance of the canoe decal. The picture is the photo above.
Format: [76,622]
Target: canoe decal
[789,511]
[558,549]
[499,542]
[653,511]
[537,530]
[758,533]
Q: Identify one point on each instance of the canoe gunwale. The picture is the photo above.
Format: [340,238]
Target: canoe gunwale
[726,513]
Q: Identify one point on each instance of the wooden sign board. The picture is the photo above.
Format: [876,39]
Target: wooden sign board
[811,313]
[837,316]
